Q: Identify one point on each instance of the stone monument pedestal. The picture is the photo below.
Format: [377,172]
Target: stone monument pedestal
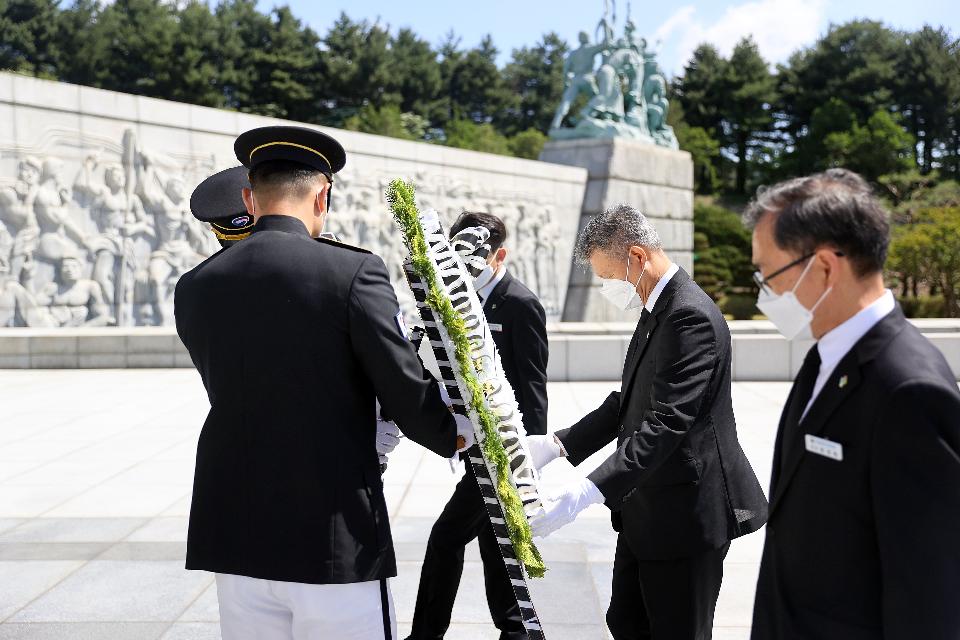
[655,180]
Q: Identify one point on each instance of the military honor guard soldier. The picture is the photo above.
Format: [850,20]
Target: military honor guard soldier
[218,201]
[518,324]
[294,338]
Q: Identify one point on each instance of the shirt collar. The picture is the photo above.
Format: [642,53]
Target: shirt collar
[280,222]
[658,288]
[485,291]
[838,342]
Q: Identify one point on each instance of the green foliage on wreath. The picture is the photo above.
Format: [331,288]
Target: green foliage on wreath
[400,195]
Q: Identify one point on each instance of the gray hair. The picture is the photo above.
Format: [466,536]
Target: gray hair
[615,230]
[834,208]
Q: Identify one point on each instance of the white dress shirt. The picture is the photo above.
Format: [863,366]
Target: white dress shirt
[658,288]
[485,291]
[835,344]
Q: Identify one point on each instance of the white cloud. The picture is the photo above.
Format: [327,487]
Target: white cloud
[779,27]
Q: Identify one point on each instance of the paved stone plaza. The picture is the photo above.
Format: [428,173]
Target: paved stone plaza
[95,476]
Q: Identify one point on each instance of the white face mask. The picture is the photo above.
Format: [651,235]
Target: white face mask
[791,318]
[620,293]
[483,278]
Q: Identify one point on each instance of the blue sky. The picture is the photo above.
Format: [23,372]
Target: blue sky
[779,26]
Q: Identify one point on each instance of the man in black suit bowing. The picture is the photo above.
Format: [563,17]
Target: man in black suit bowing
[678,483]
[865,492]
[518,325]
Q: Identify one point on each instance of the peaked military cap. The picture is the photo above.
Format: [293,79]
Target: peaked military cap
[295,144]
[217,200]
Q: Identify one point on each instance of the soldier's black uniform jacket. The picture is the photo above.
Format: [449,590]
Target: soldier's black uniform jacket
[294,338]
[518,325]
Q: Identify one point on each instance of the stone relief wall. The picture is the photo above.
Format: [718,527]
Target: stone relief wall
[101,244]
[95,225]
[360,215]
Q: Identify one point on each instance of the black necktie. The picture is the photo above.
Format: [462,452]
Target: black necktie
[806,381]
[644,316]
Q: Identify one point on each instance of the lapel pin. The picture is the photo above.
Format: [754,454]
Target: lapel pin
[843,381]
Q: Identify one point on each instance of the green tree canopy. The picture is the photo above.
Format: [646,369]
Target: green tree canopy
[699,90]
[928,90]
[929,251]
[855,63]
[834,102]
[535,76]
[28,36]
[749,93]
[879,147]
[355,69]
[467,134]
[413,75]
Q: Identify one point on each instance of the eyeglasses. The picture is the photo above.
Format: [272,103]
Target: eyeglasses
[761,281]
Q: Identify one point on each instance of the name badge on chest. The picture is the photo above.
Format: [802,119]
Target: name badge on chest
[495,327]
[824,447]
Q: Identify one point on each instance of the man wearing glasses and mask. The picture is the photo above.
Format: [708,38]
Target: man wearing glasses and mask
[865,491]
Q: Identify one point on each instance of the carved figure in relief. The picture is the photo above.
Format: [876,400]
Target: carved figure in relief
[549,238]
[73,301]
[17,213]
[122,218]
[60,234]
[180,239]
[12,294]
[119,215]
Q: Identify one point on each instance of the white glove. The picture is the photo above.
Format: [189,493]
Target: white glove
[388,437]
[444,395]
[544,450]
[560,509]
[465,429]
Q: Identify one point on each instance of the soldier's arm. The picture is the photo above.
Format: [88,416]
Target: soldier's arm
[407,392]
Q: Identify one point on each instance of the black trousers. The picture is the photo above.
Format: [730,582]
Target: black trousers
[463,519]
[667,599]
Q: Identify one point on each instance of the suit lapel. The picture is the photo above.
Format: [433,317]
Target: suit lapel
[644,334]
[638,346]
[844,380]
[492,306]
[827,401]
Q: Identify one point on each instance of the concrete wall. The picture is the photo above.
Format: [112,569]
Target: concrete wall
[74,134]
[657,181]
[578,351]
[596,351]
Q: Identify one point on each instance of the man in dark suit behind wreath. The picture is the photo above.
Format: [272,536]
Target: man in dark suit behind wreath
[865,491]
[679,485]
[518,325]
